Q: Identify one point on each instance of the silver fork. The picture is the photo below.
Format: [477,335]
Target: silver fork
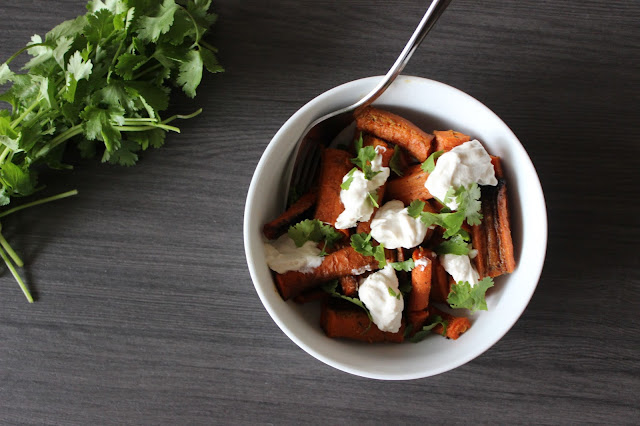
[307,152]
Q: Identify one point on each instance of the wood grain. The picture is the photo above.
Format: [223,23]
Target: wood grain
[146,311]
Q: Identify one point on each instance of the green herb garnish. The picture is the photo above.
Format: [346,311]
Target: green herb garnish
[100,81]
[430,163]
[316,231]
[361,243]
[465,296]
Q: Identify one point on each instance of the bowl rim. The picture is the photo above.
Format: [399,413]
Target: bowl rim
[542,235]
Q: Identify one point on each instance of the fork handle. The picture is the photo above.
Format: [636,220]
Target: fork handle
[432,14]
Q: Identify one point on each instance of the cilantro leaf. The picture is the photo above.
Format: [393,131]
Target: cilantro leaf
[313,230]
[463,295]
[18,180]
[392,293]
[331,286]
[430,163]
[347,183]
[406,266]
[469,200]
[454,245]
[395,163]
[424,332]
[373,197]
[151,27]
[361,243]
[5,74]
[190,73]
[415,208]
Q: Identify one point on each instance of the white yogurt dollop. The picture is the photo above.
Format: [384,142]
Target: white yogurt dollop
[283,255]
[460,268]
[385,309]
[357,206]
[393,227]
[463,165]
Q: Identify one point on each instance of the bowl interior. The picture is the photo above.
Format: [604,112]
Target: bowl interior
[430,105]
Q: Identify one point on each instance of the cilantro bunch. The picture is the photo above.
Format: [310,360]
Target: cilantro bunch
[101,82]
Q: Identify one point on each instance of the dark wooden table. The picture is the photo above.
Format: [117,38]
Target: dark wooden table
[146,313]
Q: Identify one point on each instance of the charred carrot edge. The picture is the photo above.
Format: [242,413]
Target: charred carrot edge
[335,164]
[395,129]
[420,281]
[369,140]
[335,265]
[408,187]
[341,320]
[311,296]
[440,284]
[492,238]
[274,229]
[455,325]
[349,285]
[446,140]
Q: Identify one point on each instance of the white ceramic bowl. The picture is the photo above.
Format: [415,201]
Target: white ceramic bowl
[430,105]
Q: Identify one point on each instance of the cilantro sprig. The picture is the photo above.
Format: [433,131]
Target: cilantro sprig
[361,243]
[331,288]
[314,230]
[100,82]
[364,156]
[424,331]
[465,296]
[430,163]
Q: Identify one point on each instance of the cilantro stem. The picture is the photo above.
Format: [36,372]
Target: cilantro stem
[4,154]
[21,283]
[29,46]
[37,202]
[26,112]
[148,70]
[182,117]
[67,134]
[10,250]
[195,26]
[144,128]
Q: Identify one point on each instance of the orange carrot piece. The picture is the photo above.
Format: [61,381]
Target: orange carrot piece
[395,129]
[349,285]
[335,265]
[335,164]
[492,238]
[440,284]
[275,228]
[408,187]
[341,319]
[446,140]
[455,325]
[420,280]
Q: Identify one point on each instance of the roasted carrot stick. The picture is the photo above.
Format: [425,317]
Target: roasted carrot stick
[349,285]
[395,129]
[342,319]
[446,140]
[455,325]
[335,164]
[492,238]
[408,187]
[275,228]
[335,265]
[440,284]
[420,280]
